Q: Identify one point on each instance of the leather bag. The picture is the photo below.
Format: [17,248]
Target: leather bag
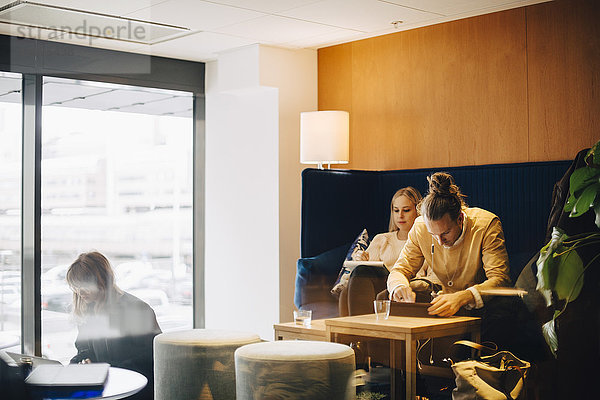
[500,376]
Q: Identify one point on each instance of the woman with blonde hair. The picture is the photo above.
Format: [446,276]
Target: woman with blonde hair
[114,326]
[366,282]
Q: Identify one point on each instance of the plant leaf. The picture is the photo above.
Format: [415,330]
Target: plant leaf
[546,263]
[570,203]
[549,331]
[595,150]
[569,275]
[597,211]
[582,177]
[585,201]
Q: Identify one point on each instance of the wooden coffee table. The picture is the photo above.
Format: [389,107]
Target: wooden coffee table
[402,329]
[293,331]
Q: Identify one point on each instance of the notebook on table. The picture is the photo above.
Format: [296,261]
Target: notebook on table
[74,380]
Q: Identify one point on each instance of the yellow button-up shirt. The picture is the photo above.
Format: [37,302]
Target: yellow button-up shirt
[478,261]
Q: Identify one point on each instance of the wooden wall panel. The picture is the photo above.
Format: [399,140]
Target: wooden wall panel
[335,80]
[563,41]
[436,96]
[335,77]
[488,89]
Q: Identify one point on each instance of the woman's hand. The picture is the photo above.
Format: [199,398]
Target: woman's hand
[446,305]
[361,256]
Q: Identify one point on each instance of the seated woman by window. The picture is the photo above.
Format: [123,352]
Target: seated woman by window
[114,326]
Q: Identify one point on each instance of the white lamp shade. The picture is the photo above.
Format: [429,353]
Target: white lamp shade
[324,137]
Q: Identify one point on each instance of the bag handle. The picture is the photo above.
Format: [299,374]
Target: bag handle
[477,346]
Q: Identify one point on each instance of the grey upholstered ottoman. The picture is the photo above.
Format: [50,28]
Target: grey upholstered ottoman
[197,364]
[295,369]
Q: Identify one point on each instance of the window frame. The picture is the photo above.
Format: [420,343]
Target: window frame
[36,59]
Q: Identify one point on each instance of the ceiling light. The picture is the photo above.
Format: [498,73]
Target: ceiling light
[34,19]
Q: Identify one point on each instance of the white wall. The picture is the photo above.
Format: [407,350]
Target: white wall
[294,73]
[253,99]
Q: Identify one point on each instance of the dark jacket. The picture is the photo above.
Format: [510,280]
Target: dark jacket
[122,336]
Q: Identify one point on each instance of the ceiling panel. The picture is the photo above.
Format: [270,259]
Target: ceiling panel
[118,98]
[362,15]
[447,8]
[110,7]
[333,37]
[10,89]
[200,46]
[14,97]
[194,14]
[287,29]
[97,96]
[267,6]
[54,92]
[174,105]
[9,84]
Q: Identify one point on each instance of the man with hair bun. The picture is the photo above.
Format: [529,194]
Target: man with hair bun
[464,247]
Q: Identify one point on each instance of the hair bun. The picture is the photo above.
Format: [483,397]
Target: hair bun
[442,184]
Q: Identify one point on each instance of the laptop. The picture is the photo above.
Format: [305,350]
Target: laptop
[400,309]
[68,381]
[36,361]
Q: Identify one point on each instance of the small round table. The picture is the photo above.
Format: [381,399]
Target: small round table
[122,383]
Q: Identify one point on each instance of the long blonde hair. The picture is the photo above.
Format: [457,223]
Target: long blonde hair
[92,268]
[411,194]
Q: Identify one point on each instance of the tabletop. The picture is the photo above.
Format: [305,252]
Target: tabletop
[400,327]
[121,383]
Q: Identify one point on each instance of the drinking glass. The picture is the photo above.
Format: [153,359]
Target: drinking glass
[303,317]
[382,308]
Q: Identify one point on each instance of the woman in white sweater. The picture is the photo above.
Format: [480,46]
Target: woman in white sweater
[366,281]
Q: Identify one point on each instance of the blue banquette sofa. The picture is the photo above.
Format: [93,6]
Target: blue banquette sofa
[338,204]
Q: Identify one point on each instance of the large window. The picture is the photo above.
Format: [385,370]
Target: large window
[99,150]
[10,210]
[117,173]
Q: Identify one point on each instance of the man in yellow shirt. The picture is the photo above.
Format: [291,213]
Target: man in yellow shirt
[464,247]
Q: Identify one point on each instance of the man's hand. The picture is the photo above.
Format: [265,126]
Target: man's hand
[404,294]
[446,305]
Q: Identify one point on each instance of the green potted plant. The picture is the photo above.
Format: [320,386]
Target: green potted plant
[370,396]
[560,267]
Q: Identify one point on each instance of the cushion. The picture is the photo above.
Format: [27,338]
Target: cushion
[314,275]
[361,243]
